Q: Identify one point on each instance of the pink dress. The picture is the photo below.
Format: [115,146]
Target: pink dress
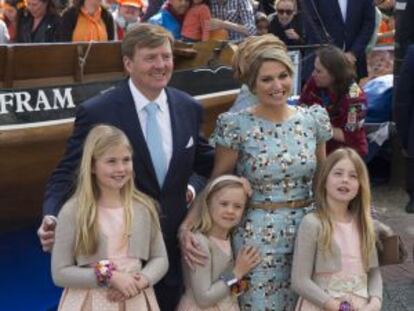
[111,223]
[188,304]
[351,282]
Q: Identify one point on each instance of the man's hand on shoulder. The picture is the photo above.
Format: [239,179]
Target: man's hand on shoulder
[46,232]
[190,248]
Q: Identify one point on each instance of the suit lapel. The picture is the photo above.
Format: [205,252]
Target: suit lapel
[176,133]
[132,128]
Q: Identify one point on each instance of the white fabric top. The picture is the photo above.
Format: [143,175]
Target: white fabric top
[343,4]
[4,33]
[163,117]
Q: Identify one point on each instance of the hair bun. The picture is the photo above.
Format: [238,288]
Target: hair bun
[265,47]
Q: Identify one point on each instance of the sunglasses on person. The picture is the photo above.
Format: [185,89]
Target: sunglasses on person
[282,11]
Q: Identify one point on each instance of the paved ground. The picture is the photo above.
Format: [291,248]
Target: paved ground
[398,279]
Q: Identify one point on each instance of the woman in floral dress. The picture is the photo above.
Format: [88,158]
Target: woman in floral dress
[277,148]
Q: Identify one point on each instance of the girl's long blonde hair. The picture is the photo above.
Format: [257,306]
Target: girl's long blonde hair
[359,206]
[205,223]
[99,140]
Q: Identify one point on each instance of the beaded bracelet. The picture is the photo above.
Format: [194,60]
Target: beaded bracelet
[103,272]
[239,288]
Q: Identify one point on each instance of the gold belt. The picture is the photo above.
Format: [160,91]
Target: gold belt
[287,204]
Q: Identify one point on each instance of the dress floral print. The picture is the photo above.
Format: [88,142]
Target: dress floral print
[279,161]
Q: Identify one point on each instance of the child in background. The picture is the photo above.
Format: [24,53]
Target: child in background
[215,285]
[8,14]
[379,63]
[107,231]
[195,25]
[386,30]
[262,24]
[335,264]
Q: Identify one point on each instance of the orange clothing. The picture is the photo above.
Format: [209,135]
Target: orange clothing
[195,25]
[385,27]
[90,27]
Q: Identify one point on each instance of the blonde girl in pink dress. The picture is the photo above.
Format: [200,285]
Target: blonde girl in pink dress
[335,264]
[215,285]
[108,250]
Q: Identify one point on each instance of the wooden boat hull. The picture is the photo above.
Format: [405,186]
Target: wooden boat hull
[28,156]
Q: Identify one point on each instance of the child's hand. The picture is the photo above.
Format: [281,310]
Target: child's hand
[373,305]
[332,305]
[143,282]
[125,283]
[115,295]
[247,258]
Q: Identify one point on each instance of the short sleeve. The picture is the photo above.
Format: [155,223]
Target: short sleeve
[322,123]
[227,132]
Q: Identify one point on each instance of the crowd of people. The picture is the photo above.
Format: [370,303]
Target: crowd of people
[273,212]
[294,22]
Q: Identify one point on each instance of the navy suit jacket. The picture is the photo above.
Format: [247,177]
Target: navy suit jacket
[404,102]
[352,35]
[116,107]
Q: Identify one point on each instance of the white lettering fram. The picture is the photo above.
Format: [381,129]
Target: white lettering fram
[59,99]
[20,102]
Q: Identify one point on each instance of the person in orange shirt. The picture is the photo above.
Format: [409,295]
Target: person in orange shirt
[386,30]
[86,20]
[195,25]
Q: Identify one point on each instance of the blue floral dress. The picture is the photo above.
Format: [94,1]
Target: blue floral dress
[279,161]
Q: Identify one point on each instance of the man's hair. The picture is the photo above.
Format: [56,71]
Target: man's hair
[144,36]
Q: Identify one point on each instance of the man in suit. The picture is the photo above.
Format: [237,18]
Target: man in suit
[348,24]
[148,58]
[404,118]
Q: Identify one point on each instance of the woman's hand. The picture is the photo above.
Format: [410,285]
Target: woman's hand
[190,248]
[247,258]
[338,134]
[125,283]
[351,57]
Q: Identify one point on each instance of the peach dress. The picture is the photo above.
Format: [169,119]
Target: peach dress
[351,282]
[111,222]
[188,304]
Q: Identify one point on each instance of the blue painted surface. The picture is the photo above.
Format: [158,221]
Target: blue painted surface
[25,282]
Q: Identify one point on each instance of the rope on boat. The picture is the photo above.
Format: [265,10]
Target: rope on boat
[82,60]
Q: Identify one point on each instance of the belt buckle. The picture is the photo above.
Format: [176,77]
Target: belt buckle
[291,203]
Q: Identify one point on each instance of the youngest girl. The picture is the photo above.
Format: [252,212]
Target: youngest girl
[106,232]
[196,20]
[335,264]
[215,285]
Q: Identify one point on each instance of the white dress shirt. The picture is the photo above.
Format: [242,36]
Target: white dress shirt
[163,117]
[343,4]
